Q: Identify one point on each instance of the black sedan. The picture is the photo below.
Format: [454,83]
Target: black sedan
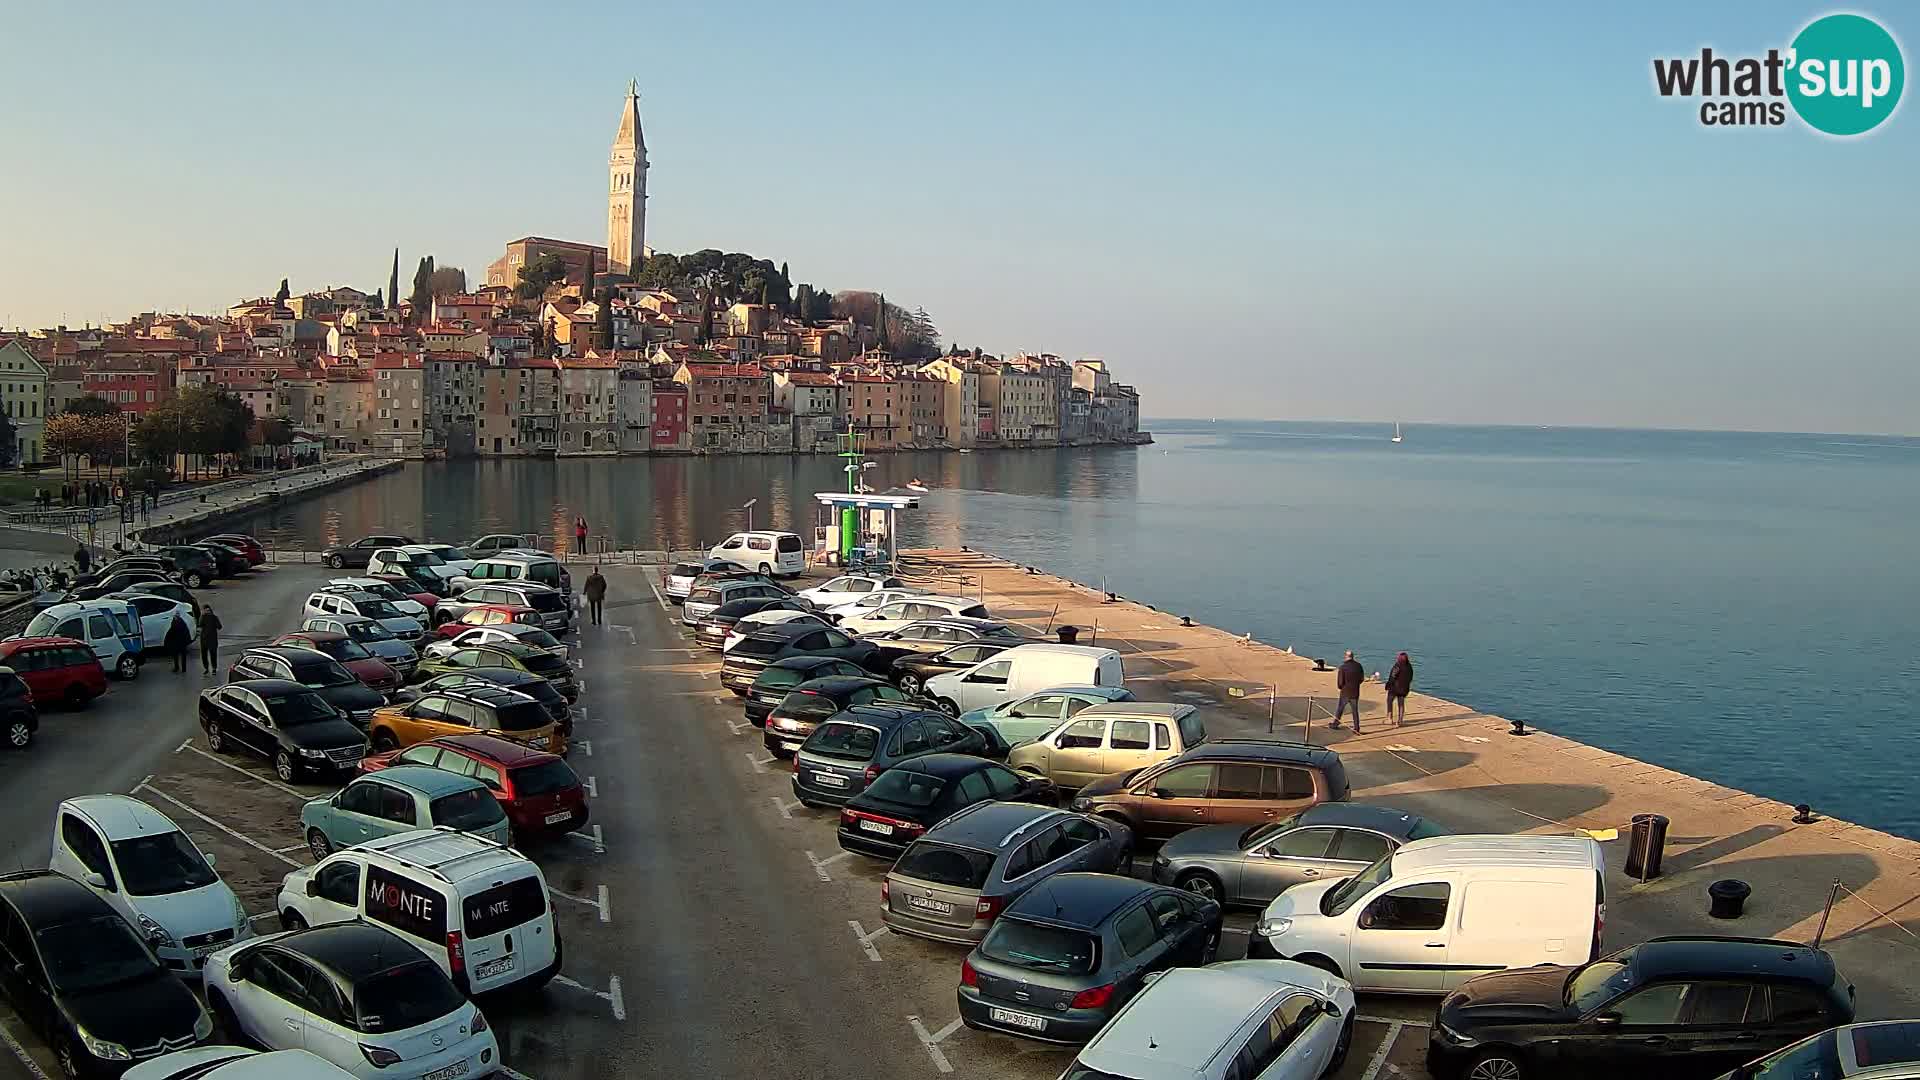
[806,705]
[913,796]
[1673,1008]
[314,670]
[772,685]
[911,672]
[284,722]
[193,566]
[126,562]
[231,559]
[713,630]
[1074,949]
[781,640]
[534,686]
[359,553]
[113,583]
[72,968]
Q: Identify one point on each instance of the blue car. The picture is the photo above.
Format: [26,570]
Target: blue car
[1023,720]
[401,799]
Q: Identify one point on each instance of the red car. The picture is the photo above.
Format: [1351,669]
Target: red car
[488,615]
[539,791]
[373,672]
[255,553]
[55,669]
[411,590]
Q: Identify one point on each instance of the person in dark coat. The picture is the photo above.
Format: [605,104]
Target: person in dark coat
[1399,685]
[1348,678]
[178,638]
[83,558]
[596,593]
[209,639]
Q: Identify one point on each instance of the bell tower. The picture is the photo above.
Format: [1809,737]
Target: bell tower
[627,190]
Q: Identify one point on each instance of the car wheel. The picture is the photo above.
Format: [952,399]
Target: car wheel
[384,741]
[229,1023]
[1200,883]
[1211,951]
[766,571]
[1341,1048]
[68,1055]
[195,580]
[19,733]
[947,706]
[127,667]
[291,920]
[216,739]
[283,766]
[909,683]
[1495,1065]
[336,562]
[77,696]
[318,843]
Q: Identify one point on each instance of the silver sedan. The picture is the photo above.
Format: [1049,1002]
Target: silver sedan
[1237,864]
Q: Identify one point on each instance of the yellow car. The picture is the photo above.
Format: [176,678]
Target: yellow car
[465,710]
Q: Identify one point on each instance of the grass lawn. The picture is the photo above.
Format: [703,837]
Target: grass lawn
[19,488]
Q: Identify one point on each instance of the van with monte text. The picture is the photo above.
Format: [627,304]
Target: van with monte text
[772,554]
[111,628]
[1437,912]
[1022,670]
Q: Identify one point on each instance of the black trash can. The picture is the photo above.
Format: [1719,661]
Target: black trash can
[1728,898]
[1068,634]
[1647,846]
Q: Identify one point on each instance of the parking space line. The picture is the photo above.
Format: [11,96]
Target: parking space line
[1390,1020]
[600,904]
[932,1042]
[593,787]
[631,639]
[612,995]
[217,760]
[585,745]
[591,836]
[657,596]
[786,808]
[737,726]
[243,838]
[1380,1055]
[758,762]
[866,937]
[820,865]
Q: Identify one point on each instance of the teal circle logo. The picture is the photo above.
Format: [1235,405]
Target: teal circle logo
[1846,74]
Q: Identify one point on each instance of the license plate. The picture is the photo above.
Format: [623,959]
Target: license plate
[874,826]
[458,1068]
[926,903]
[555,819]
[493,967]
[1017,1019]
[201,952]
[829,779]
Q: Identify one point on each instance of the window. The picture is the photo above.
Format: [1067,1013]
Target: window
[1003,783]
[1184,782]
[1356,845]
[279,975]
[909,738]
[1303,844]
[1136,931]
[339,882]
[1413,907]
[1129,735]
[1238,781]
[395,805]
[1724,1004]
[1288,783]
[1082,735]
[404,905]
[1654,1006]
[1793,1007]
[972,789]
[1162,738]
[99,626]
[87,847]
[1167,913]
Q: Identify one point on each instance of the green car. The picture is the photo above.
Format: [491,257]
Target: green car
[402,799]
[506,654]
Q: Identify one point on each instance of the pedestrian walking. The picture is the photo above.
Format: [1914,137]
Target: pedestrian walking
[596,593]
[209,640]
[1349,678]
[178,638]
[579,534]
[83,559]
[1399,685]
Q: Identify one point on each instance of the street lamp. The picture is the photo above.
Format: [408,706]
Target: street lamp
[749,509]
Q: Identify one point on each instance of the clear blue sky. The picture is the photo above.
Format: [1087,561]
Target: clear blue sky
[1473,213]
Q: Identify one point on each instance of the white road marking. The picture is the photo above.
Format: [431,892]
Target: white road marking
[1386,1047]
[657,596]
[593,787]
[263,915]
[718,700]
[631,639]
[1390,1020]
[592,836]
[225,764]
[143,781]
[786,808]
[1235,930]
[820,865]
[737,726]
[1401,748]
[932,1042]
[866,937]
[13,1044]
[1473,738]
[759,762]
[242,837]
[606,910]
[611,995]
[599,904]
[291,847]
[585,745]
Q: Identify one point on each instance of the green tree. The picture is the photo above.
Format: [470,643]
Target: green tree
[447,281]
[379,300]
[92,405]
[819,306]
[9,442]
[422,295]
[603,322]
[539,275]
[393,283]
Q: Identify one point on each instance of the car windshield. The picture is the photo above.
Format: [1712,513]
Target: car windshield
[424,558]
[341,648]
[807,705]
[1424,829]
[704,596]
[93,954]
[760,646]
[546,601]
[1261,832]
[1342,896]
[368,631]
[906,788]
[944,864]
[1816,1058]
[292,710]
[474,808]
[404,998]
[686,569]
[161,863]
[847,742]
[327,674]
[779,678]
[1043,948]
[379,609]
[545,778]
[384,591]
[1598,983]
[538,638]
[543,663]
[452,553]
[1082,1072]
[522,716]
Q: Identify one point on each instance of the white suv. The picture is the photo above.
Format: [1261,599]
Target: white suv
[1245,1019]
[911,609]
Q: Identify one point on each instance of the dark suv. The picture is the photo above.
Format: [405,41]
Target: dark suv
[781,640]
[848,752]
[314,670]
[772,685]
[808,705]
[713,630]
[1233,781]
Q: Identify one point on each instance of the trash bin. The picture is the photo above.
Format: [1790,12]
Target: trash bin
[1068,634]
[1647,846]
[1728,898]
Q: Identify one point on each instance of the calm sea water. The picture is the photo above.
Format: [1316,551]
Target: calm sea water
[1742,607]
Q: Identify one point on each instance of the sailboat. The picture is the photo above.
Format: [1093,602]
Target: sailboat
[1396,431]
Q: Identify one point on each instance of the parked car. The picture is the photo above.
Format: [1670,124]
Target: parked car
[374,673]
[409,604]
[766,617]
[19,719]
[812,703]
[525,682]
[1536,899]
[493,635]
[910,673]
[782,677]
[256,553]
[416,563]
[706,598]
[770,553]
[676,581]
[196,567]
[1680,1007]
[360,552]
[477,909]
[138,861]
[540,792]
[480,706]
[156,615]
[713,630]
[1230,782]
[938,635]
[1877,1050]
[1102,740]
[953,882]
[912,610]
[368,606]
[911,797]
[556,615]
[870,602]
[355,995]
[314,670]
[227,560]
[108,627]
[847,587]
[512,654]
[76,974]
[1251,864]
[492,543]
[153,563]
[1239,1020]
[54,670]
[172,590]
[371,636]
[488,615]
[848,752]
[457,560]
[744,661]
[1023,720]
[1022,670]
[1065,958]
[401,799]
[212,1062]
[284,722]
[115,582]
[516,568]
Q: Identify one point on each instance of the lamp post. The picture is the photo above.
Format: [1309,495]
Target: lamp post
[749,509]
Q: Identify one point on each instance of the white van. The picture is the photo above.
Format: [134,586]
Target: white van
[110,628]
[1440,911]
[476,908]
[1020,671]
[771,553]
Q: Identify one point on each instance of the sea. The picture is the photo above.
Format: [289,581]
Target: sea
[1742,607]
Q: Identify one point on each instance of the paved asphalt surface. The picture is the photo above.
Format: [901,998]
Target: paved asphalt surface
[710,924]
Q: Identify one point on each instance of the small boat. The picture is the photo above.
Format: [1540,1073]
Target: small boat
[1396,431]
[964,450]
[914,485]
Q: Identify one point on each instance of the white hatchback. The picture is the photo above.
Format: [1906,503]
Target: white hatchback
[747,624]
[236,1063]
[847,588]
[912,609]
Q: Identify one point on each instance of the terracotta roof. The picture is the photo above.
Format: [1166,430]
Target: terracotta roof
[811,378]
[394,362]
[589,362]
[725,371]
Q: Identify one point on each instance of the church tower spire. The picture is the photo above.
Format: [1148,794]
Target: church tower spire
[627,190]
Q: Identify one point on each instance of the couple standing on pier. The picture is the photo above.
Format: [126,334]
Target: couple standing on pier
[1352,674]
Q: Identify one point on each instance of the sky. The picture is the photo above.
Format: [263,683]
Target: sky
[1467,213]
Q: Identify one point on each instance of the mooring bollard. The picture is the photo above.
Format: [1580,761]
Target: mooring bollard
[1727,898]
